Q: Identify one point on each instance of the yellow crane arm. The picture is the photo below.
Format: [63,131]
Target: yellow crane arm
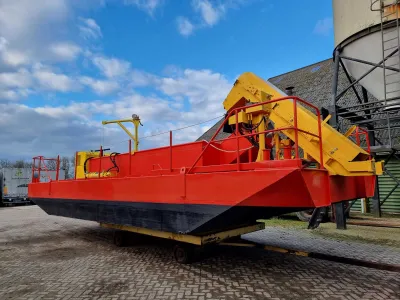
[341,156]
[136,122]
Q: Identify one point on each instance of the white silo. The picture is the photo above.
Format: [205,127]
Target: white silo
[368,31]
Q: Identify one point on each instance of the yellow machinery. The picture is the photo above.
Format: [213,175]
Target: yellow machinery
[136,122]
[81,159]
[84,156]
[341,156]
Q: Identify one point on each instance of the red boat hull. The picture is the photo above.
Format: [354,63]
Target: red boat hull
[194,203]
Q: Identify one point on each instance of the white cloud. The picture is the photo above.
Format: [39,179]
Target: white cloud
[140,78]
[149,6]
[89,29]
[3,43]
[51,81]
[46,131]
[100,87]
[51,130]
[8,95]
[149,109]
[203,89]
[324,26]
[19,17]
[14,57]
[185,27]
[65,50]
[209,13]
[111,67]
[29,27]
[20,79]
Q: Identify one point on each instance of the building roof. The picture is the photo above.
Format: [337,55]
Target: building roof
[313,83]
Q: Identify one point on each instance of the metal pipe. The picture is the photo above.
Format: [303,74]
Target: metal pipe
[377,120]
[365,114]
[357,137]
[212,138]
[33,172]
[333,108]
[368,63]
[170,150]
[40,166]
[321,164]
[296,133]
[371,102]
[130,156]
[100,159]
[383,128]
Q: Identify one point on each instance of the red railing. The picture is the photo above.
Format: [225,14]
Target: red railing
[362,132]
[294,127]
[39,165]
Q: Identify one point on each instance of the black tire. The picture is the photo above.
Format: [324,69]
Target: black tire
[184,254]
[304,215]
[119,238]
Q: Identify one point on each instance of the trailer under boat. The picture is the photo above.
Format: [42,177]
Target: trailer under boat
[280,158]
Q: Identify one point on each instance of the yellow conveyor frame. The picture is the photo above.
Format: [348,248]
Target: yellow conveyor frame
[341,156]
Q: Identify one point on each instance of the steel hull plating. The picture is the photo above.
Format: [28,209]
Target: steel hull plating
[178,218]
[191,203]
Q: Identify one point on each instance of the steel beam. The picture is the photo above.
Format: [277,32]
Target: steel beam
[364,75]
[369,63]
[350,80]
[332,107]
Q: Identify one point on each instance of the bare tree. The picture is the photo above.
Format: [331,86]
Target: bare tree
[19,164]
[5,163]
[51,165]
[66,166]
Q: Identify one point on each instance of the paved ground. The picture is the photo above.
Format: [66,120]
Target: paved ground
[44,257]
[304,241]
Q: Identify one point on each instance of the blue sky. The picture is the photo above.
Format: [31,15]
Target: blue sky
[65,65]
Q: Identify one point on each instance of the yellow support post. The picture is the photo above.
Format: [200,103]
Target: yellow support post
[136,122]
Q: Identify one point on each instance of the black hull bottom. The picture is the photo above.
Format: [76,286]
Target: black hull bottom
[184,218]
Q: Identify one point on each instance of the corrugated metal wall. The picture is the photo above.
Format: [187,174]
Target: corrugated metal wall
[386,184]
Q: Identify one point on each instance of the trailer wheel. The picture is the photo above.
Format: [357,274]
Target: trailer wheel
[183,254]
[304,215]
[119,238]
